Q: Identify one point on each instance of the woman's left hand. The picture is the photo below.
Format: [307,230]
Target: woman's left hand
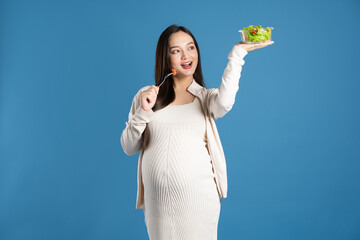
[252,46]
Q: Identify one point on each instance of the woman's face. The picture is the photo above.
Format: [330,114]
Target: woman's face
[183,54]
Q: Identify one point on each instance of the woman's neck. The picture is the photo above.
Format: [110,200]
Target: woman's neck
[182,83]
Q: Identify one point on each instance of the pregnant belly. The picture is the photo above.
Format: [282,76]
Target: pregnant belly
[178,168]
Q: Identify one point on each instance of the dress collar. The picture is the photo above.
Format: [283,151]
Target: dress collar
[195,88]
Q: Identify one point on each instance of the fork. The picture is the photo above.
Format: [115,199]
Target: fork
[173,72]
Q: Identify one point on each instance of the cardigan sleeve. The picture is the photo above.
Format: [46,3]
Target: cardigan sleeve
[131,137]
[221,100]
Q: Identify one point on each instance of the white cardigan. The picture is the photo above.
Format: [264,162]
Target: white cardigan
[216,102]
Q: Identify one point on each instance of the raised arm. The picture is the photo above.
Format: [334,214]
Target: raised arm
[138,118]
[221,100]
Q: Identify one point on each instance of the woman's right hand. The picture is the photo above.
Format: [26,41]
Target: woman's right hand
[148,98]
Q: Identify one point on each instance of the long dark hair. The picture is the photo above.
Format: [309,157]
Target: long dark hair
[162,67]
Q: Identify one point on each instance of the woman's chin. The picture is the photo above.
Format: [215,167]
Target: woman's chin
[183,73]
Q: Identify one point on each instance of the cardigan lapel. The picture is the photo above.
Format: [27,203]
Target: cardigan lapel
[214,143]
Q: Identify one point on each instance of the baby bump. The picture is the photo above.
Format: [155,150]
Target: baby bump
[176,167]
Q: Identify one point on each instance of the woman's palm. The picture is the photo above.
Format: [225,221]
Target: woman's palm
[252,46]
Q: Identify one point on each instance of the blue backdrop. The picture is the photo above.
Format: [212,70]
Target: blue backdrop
[69,71]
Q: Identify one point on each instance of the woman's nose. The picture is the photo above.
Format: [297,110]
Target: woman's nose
[184,55]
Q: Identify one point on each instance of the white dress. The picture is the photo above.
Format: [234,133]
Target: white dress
[181,200]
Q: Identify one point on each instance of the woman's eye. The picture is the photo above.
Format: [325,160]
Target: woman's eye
[192,47]
[175,51]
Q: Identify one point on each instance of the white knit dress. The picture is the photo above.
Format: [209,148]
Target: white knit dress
[181,200]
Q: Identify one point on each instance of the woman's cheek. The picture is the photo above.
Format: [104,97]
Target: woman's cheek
[195,67]
[173,62]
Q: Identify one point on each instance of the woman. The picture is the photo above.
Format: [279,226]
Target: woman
[181,168]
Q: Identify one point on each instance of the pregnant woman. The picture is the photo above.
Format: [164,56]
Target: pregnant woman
[181,168]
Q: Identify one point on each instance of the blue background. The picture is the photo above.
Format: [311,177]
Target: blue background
[69,71]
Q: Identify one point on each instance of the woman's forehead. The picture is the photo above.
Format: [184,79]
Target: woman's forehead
[179,39]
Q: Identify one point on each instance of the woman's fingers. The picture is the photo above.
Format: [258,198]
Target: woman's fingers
[154,89]
[149,97]
[252,46]
[261,45]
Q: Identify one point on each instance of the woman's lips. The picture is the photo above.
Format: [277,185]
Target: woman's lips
[187,65]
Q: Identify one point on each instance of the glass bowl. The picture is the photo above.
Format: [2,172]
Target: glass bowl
[259,35]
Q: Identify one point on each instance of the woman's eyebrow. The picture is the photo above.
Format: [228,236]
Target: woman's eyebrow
[178,46]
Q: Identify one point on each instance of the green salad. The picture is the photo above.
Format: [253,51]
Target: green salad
[257,33]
